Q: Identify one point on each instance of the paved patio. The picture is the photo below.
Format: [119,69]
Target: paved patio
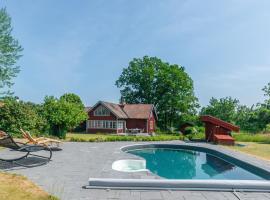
[70,169]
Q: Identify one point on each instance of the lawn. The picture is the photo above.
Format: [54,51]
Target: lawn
[260,150]
[14,187]
[75,137]
[246,137]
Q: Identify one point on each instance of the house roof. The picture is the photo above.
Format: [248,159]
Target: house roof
[129,111]
[138,111]
[87,108]
[116,109]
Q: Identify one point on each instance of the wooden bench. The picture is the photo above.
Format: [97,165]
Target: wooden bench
[223,139]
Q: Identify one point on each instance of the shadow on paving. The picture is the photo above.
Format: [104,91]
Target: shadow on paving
[30,161]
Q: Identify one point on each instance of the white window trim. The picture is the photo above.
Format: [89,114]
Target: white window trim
[104,124]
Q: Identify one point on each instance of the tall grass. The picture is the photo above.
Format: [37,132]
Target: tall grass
[247,137]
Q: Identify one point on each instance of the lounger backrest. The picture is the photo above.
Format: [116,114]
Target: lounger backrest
[27,136]
[8,142]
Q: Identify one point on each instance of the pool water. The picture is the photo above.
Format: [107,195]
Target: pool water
[189,164]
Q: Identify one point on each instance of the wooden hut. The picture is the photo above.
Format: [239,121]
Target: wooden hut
[218,131]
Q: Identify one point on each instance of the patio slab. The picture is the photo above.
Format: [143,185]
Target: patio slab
[70,169]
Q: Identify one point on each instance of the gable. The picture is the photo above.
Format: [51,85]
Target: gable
[114,109]
[101,111]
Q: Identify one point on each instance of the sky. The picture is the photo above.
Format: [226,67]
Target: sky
[83,46]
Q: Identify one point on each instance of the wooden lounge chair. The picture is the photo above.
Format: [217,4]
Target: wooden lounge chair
[51,143]
[26,151]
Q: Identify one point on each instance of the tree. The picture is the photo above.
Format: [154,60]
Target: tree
[72,98]
[151,81]
[224,108]
[266,89]
[263,114]
[16,114]
[63,114]
[9,53]
[256,118]
[247,118]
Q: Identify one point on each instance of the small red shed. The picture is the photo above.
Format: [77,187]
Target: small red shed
[218,131]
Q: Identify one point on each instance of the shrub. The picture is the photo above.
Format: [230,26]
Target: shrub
[267,129]
[113,138]
[18,114]
[64,113]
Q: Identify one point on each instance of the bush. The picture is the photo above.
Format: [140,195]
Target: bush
[113,138]
[64,113]
[18,114]
[267,129]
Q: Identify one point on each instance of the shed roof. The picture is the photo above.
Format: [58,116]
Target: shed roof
[219,122]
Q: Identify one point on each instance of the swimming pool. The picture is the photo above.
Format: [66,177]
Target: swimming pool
[194,162]
[186,167]
[189,164]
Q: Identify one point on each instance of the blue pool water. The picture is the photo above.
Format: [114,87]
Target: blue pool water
[189,164]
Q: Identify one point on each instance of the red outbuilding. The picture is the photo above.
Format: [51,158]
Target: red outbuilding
[218,131]
[105,117]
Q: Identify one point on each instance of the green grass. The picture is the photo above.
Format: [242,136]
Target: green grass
[252,148]
[247,137]
[75,137]
[14,187]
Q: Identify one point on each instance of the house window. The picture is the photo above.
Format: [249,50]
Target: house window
[120,125]
[101,111]
[102,124]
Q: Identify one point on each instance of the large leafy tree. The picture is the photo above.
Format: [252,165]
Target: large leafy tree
[72,98]
[224,108]
[150,80]
[247,118]
[64,113]
[10,52]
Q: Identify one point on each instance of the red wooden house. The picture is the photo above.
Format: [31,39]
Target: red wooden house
[121,118]
[218,131]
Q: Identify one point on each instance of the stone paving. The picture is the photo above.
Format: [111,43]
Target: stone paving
[70,169]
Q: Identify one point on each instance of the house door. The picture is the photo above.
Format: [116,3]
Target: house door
[121,127]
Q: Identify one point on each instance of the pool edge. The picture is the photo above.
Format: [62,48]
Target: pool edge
[165,184]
